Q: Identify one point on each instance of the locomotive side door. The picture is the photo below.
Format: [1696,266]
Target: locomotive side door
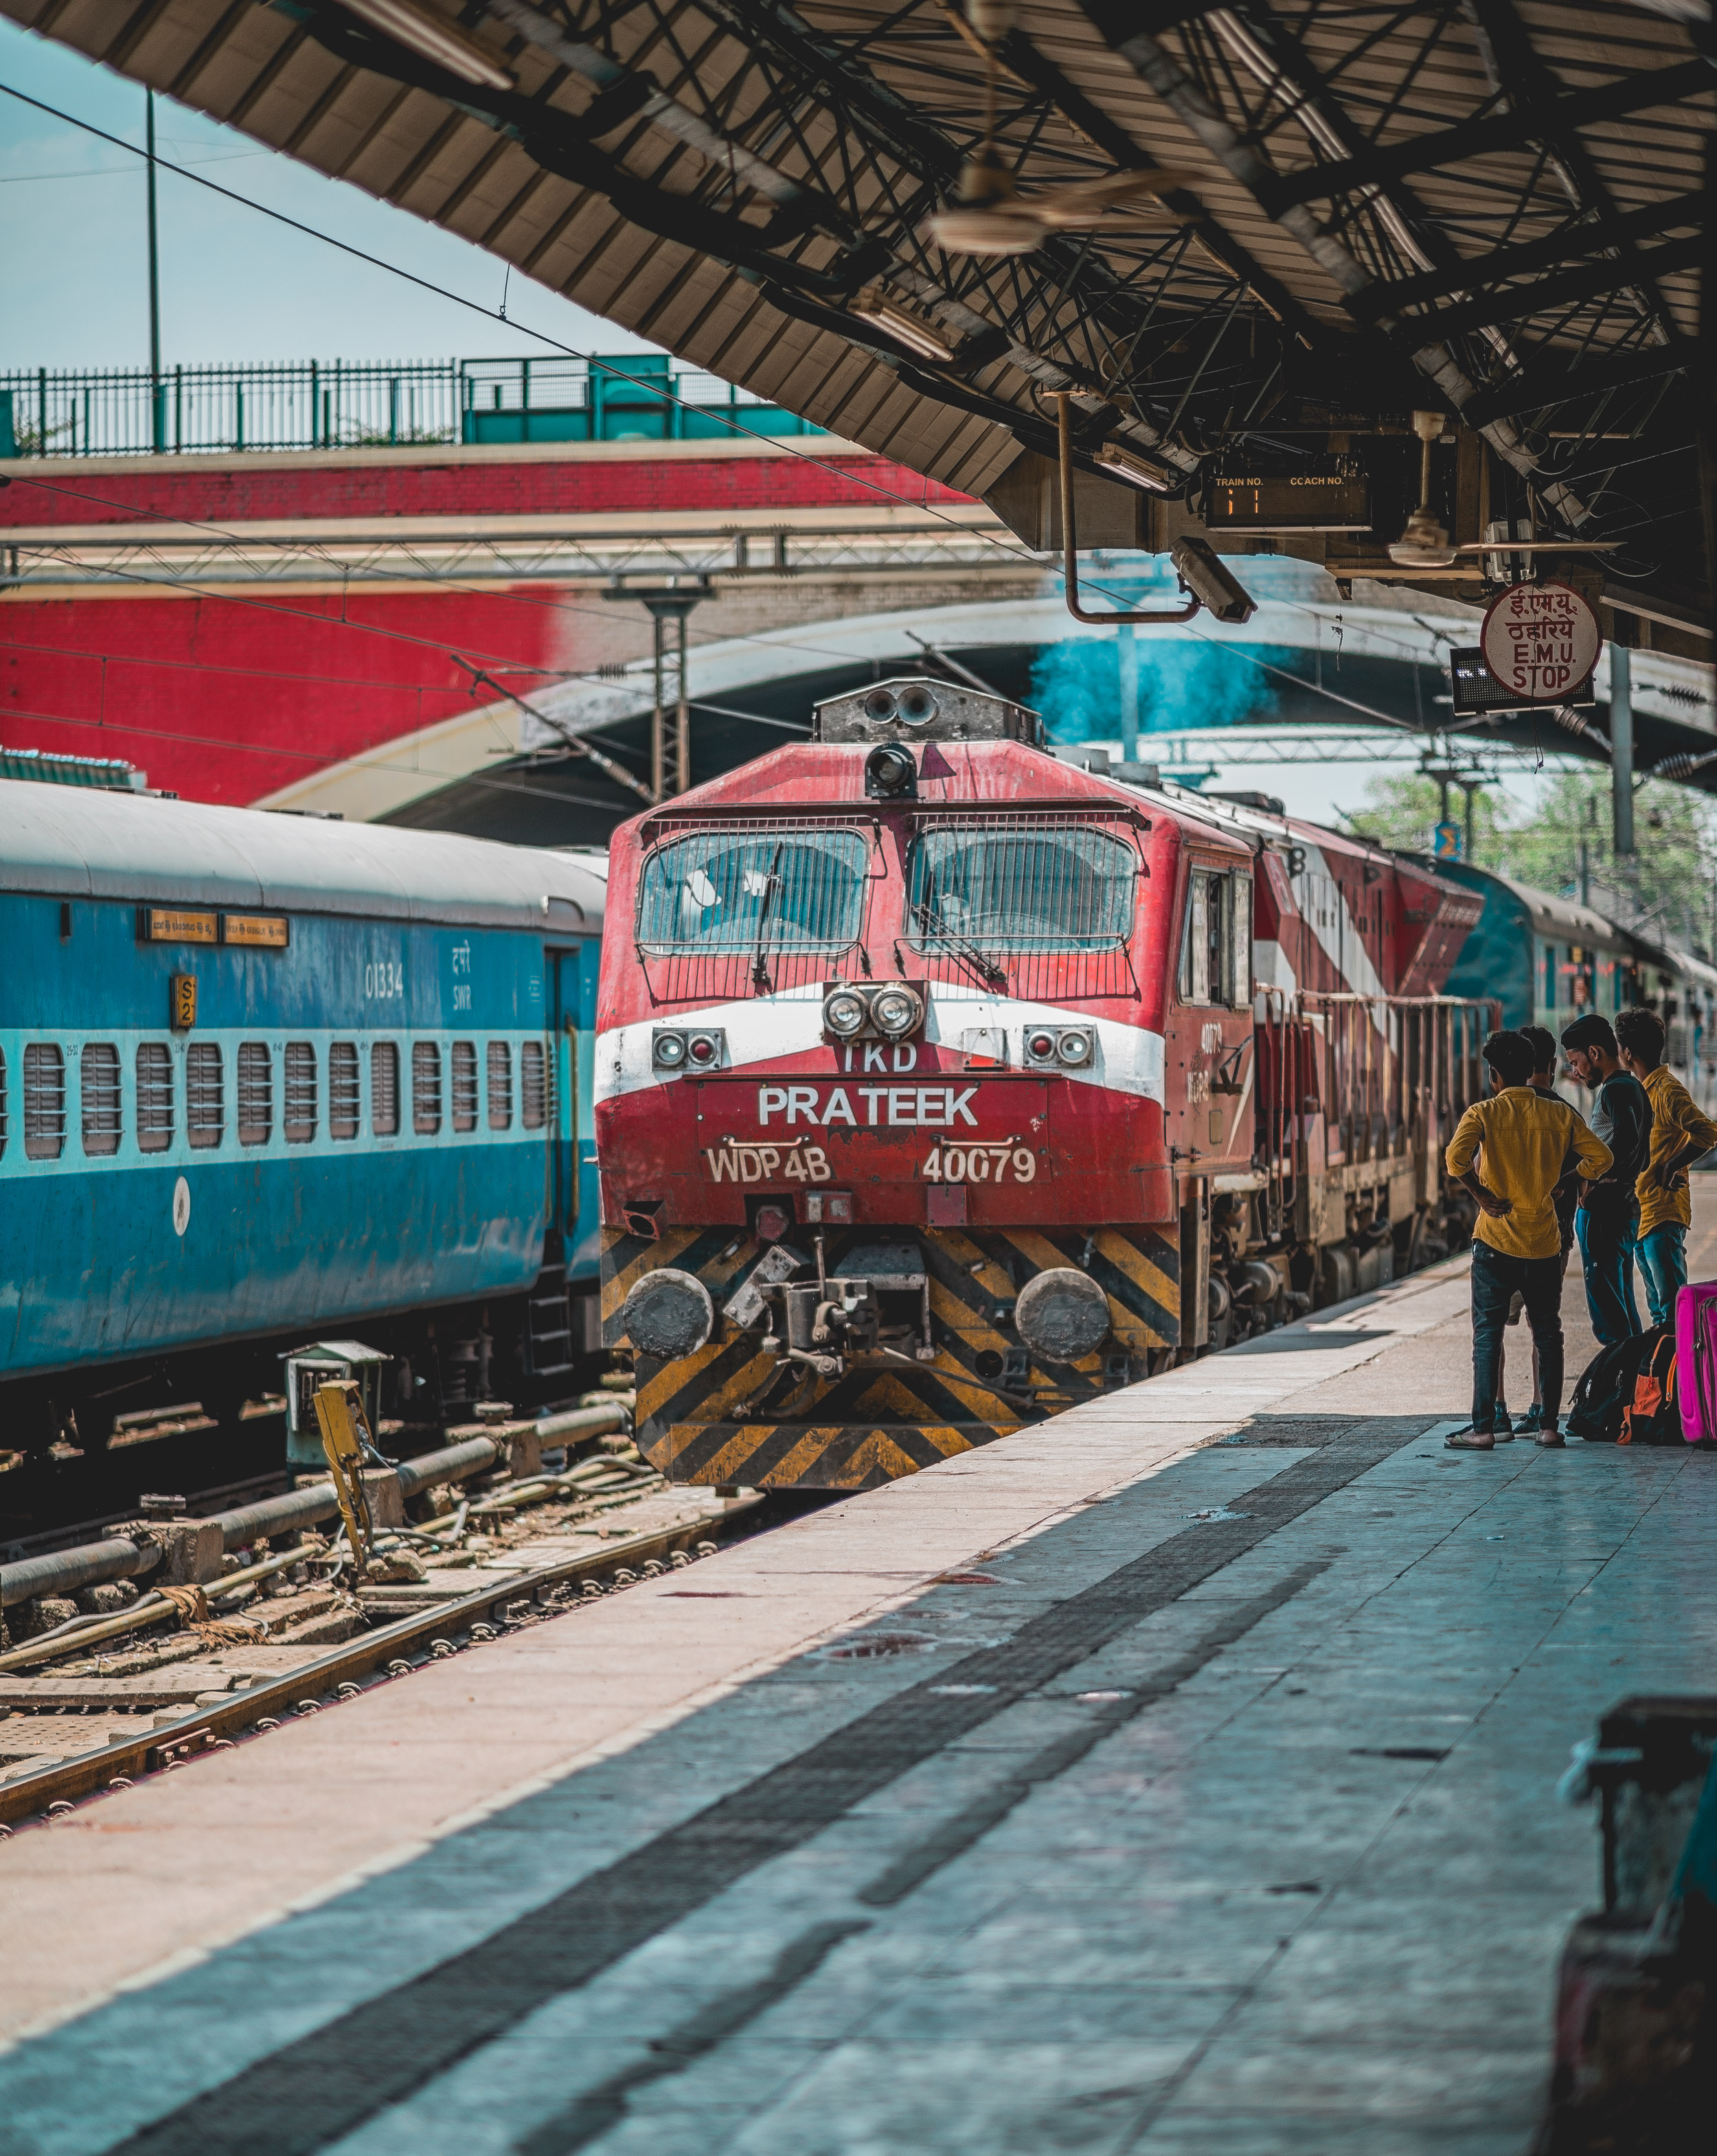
[576,1206]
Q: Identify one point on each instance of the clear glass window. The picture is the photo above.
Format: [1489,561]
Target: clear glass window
[1022,891]
[751,889]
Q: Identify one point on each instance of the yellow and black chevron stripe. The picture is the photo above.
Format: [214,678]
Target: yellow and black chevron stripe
[729,1414]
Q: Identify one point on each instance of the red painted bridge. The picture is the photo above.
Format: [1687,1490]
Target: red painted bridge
[349,628]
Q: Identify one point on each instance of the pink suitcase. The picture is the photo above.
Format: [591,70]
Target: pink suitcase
[1696,1360]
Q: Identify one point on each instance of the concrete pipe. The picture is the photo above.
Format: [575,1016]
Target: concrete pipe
[63,1571]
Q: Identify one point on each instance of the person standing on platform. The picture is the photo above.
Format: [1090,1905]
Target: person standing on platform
[1621,1118]
[1543,1043]
[1680,1135]
[1523,1137]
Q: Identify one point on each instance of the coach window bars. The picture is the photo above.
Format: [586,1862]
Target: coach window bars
[345,1100]
[385,1089]
[44,1100]
[425,1088]
[97,1087]
[256,1093]
[533,1086]
[298,1122]
[465,1085]
[155,1096]
[205,1103]
[500,1085]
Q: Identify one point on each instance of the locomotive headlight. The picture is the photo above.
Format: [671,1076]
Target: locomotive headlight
[1074,1046]
[844,1012]
[897,1011]
[667,1049]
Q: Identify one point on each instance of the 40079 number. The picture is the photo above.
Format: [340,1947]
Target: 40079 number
[981,1163]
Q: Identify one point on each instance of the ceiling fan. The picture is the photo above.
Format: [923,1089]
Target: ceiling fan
[989,216]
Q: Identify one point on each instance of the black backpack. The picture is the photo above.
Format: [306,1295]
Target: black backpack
[1605,1389]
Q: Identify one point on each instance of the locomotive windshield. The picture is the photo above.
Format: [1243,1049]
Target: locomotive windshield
[753,890]
[1020,891]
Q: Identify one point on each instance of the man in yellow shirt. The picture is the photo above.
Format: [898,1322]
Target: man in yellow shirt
[1524,1137]
[1680,1134]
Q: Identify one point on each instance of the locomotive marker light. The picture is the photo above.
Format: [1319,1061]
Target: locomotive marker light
[1062,1315]
[667,1049]
[668,1314]
[1540,642]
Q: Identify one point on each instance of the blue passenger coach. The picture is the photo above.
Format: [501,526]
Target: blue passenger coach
[265,1076]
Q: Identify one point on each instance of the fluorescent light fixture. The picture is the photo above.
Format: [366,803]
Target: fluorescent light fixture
[432,39]
[1137,470]
[904,324]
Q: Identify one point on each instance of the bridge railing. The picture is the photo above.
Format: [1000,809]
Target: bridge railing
[315,404]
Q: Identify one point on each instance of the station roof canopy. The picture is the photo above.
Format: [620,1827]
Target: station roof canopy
[1297,221]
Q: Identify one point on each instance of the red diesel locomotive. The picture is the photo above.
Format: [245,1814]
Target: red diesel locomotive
[942,1083]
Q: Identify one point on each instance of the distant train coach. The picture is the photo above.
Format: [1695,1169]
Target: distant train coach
[263,1077]
[941,1085]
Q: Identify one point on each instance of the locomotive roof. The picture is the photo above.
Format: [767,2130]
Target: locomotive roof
[128,846]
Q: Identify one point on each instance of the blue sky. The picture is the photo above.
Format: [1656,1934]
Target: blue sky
[73,279]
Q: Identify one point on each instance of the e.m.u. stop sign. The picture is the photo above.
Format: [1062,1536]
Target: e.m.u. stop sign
[1540,642]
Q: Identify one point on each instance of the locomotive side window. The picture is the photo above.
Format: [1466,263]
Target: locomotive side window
[299,1121]
[1216,939]
[385,1089]
[205,1104]
[98,1083]
[256,1093]
[751,889]
[425,1088]
[465,1085]
[344,1104]
[500,1085]
[43,1101]
[533,1086]
[155,1097]
[1020,891]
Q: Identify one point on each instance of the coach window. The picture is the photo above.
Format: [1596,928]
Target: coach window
[385,1089]
[98,1085]
[205,1103]
[256,1093]
[155,1096]
[43,1101]
[533,1086]
[344,1105]
[425,1088]
[465,1085]
[299,1121]
[500,1085]
[3,1104]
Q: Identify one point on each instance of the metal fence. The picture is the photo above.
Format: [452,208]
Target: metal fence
[48,412]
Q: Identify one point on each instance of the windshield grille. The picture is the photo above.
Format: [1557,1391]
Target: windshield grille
[1020,889]
[758,889]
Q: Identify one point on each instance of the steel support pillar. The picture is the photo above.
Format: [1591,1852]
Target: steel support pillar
[1621,747]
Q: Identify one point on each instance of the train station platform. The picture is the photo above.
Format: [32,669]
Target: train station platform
[1175,1776]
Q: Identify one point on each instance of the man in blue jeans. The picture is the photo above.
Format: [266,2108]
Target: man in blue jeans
[1681,1134]
[1521,1138]
[1621,1118]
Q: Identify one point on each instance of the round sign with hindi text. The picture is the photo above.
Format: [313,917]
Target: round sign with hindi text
[1540,642]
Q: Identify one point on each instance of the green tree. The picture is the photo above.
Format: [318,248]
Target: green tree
[1402,808]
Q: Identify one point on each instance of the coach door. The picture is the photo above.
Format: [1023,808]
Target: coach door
[575,1189]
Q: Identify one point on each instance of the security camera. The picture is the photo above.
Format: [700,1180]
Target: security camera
[1208,579]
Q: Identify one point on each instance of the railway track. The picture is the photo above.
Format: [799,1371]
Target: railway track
[381,1656]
